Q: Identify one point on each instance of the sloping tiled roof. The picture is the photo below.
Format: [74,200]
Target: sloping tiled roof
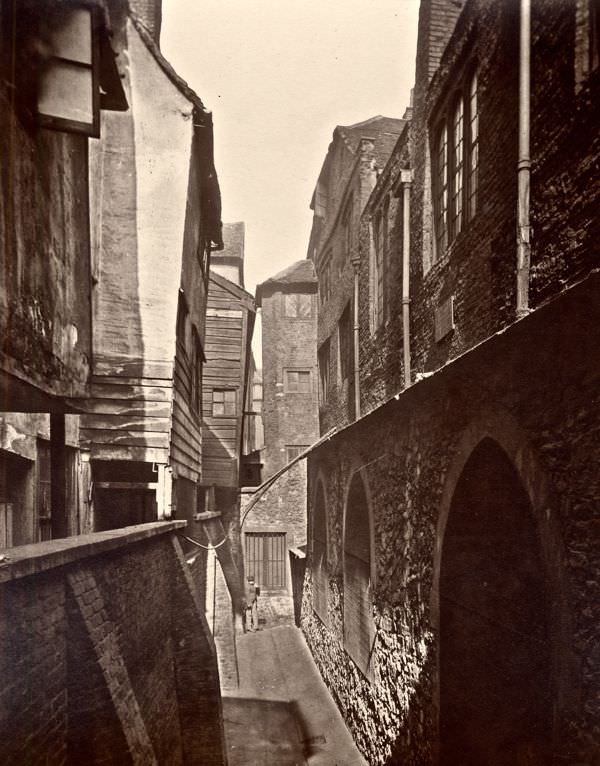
[299,274]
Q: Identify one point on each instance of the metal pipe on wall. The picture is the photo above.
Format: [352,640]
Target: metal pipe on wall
[406,180]
[524,161]
[356,265]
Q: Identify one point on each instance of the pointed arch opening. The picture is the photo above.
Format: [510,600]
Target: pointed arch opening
[358,609]
[319,565]
[495,668]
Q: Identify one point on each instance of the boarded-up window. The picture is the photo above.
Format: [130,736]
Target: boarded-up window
[293,450]
[319,560]
[358,619]
[298,306]
[224,402]
[266,559]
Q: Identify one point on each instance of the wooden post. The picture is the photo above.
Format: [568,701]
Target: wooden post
[58,482]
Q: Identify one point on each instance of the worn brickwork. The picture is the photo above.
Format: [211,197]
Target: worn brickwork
[97,680]
[288,343]
[355,156]
[409,451]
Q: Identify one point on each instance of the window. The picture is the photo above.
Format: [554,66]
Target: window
[347,224]
[379,257]
[293,450]
[182,320]
[266,559]
[345,344]
[224,402]
[325,280]
[298,305]
[44,513]
[587,40]
[69,94]
[297,382]
[456,162]
[324,358]
[196,372]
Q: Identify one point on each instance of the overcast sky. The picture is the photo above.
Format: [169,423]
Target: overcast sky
[279,75]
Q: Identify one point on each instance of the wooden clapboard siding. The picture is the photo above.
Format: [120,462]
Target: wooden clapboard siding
[186,431]
[127,418]
[226,348]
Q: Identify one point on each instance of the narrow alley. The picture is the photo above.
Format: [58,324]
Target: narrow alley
[299,397]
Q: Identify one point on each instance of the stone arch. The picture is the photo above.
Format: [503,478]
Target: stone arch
[497,475]
[320,537]
[359,571]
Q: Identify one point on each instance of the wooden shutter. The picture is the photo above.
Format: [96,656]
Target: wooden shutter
[358,618]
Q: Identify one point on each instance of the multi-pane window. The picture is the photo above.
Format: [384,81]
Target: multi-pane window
[325,280]
[224,402]
[458,130]
[298,306]
[297,382]
[441,197]
[324,356]
[379,266]
[456,163]
[474,147]
[345,344]
[587,40]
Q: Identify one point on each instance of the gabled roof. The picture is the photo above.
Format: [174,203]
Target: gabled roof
[235,290]
[300,275]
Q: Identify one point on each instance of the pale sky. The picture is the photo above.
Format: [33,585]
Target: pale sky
[279,75]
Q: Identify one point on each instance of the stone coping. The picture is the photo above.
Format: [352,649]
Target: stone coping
[26,560]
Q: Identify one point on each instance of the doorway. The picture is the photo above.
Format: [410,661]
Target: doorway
[495,658]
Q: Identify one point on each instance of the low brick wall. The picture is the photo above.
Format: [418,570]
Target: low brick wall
[105,654]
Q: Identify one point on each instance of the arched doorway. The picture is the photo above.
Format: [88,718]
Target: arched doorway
[319,558]
[495,658]
[358,609]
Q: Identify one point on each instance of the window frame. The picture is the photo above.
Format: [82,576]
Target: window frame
[224,414]
[299,371]
[55,122]
[297,296]
[455,145]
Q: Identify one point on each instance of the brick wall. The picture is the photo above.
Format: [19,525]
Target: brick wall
[287,343]
[534,391]
[106,656]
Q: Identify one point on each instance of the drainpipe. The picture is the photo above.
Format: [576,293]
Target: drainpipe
[406,178]
[524,162]
[356,265]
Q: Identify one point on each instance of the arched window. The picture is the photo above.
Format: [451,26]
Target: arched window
[319,566]
[358,617]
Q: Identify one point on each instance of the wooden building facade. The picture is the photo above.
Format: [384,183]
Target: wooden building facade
[157,217]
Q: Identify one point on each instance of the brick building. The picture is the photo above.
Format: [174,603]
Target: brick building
[277,521]
[354,158]
[451,580]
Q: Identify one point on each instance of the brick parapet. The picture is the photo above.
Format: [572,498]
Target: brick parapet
[106,654]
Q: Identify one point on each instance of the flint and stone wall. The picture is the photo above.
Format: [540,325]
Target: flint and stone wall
[534,391]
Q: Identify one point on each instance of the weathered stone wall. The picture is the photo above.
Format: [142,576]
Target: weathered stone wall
[106,655]
[534,391]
